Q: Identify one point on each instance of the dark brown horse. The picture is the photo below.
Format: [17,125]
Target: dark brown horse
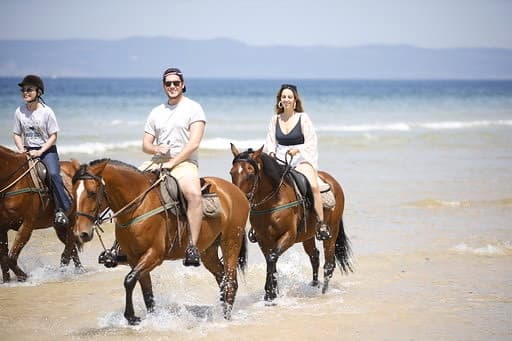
[22,209]
[275,216]
[149,235]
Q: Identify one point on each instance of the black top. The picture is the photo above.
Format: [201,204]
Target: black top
[294,137]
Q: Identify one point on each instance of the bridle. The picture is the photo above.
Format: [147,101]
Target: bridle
[245,157]
[98,217]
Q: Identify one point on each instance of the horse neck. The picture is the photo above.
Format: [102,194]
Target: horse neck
[123,185]
[266,191]
[12,163]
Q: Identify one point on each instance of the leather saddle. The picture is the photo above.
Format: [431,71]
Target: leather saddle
[171,193]
[41,179]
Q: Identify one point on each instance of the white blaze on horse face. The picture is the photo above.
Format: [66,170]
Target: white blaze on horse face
[240,169]
[79,192]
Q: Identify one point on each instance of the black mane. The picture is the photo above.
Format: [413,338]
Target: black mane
[273,169]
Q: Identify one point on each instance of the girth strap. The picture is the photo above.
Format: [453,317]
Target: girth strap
[277,208]
[148,214]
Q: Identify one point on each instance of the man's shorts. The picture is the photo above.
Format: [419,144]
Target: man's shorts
[186,168]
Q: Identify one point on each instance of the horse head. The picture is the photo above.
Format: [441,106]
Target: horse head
[245,172]
[91,201]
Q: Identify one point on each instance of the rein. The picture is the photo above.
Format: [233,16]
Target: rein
[98,220]
[23,190]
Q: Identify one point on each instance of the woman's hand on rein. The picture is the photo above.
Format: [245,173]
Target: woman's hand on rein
[292,152]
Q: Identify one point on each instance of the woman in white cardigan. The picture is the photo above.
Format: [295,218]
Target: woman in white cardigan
[291,132]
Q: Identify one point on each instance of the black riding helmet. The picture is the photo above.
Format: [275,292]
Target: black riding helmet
[33,80]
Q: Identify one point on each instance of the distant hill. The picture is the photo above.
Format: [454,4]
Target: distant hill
[224,58]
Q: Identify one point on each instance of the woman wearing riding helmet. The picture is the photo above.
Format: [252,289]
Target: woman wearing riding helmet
[35,133]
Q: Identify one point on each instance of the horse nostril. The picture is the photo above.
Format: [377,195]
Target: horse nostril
[85,236]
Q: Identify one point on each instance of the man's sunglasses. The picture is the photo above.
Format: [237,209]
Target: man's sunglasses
[172,83]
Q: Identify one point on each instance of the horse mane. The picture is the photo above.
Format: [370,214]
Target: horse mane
[116,163]
[83,168]
[273,169]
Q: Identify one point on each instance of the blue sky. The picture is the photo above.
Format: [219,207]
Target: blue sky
[428,23]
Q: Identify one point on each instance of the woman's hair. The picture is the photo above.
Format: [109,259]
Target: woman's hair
[298,102]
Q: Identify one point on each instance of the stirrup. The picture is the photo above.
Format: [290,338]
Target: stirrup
[111,258]
[60,219]
[108,258]
[251,235]
[323,232]
[192,256]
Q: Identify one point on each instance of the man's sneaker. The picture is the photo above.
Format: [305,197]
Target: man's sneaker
[323,232]
[192,256]
[60,219]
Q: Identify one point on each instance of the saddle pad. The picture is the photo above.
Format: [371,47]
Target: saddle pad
[328,199]
[170,189]
[323,186]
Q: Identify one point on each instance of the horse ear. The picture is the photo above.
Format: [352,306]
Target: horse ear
[76,164]
[258,152]
[234,150]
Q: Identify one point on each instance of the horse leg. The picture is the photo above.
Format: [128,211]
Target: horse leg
[212,263]
[232,253]
[271,289]
[147,292]
[339,249]
[141,273]
[21,239]
[329,264]
[314,258]
[129,283]
[4,259]
[70,250]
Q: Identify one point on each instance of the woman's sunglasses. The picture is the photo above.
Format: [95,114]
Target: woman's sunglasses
[23,90]
[289,86]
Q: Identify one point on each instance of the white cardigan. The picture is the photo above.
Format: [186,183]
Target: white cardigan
[308,150]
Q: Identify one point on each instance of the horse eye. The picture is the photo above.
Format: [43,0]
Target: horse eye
[91,194]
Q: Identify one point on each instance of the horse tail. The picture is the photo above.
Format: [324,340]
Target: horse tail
[343,251]
[242,256]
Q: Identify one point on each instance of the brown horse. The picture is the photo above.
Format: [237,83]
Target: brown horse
[275,216]
[149,234]
[22,209]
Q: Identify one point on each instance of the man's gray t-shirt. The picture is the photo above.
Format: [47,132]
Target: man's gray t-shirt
[170,124]
[35,127]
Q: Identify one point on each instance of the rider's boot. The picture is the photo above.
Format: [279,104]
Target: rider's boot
[192,256]
[323,232]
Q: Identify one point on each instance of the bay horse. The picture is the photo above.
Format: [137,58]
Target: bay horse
[22,208]
[275,215]
[148,234]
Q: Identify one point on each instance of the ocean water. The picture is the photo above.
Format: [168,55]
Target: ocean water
[405,143]
[426,170]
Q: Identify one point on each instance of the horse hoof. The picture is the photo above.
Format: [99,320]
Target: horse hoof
[315,283]
[133,321]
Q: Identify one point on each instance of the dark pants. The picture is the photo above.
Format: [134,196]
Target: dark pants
[50,159]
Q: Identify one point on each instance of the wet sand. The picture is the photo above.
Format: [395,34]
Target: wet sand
[411,296]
